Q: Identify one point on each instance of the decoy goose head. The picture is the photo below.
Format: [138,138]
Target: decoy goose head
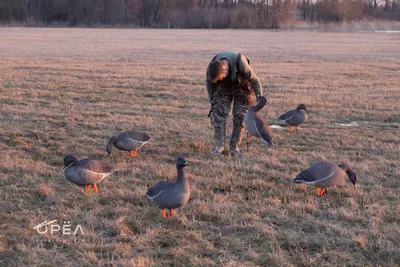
[352,175]
[181,162]
[110,143]
[262,101]
[69,160]
[301,107]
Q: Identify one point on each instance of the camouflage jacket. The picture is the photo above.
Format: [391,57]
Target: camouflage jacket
[244,72]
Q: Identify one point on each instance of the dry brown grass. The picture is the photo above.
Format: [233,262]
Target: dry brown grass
[66,90]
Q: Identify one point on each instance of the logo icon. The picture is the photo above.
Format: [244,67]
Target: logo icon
[52,227]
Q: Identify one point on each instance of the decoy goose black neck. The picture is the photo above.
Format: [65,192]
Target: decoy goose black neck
[344,166]
[69,160]
[352,175]
[262,101]
[301,107]
[180,164]
[110,144]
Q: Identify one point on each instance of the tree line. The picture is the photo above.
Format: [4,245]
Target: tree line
[191,13]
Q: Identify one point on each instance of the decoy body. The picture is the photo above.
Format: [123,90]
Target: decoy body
[86,172]
[128,141]
[294,117]
[171,194]
[256,125]
[325,174]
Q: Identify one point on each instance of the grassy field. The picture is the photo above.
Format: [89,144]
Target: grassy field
[68,90]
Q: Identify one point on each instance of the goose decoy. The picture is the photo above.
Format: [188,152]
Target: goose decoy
[256,125]
[325,174]
[128,141]
[86,172]
[294,117]
[171,194]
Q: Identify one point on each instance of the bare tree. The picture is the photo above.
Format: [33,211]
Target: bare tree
[190,13]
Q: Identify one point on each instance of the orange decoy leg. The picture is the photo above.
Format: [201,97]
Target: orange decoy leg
[290,129]
[163,214]
[132,153]
[87,188]
[95,188]
[247,140]
[320,191]
[171,212]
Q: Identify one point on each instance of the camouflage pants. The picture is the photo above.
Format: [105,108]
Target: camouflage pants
[221,105]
